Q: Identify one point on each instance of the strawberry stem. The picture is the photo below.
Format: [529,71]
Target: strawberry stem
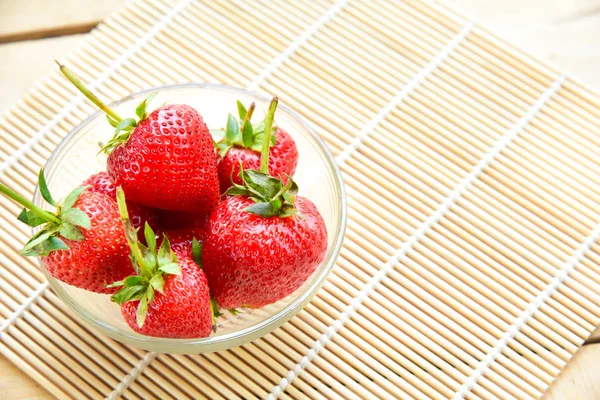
[87,93]
[264,159]
[130,234]
[11,194]
[248,116]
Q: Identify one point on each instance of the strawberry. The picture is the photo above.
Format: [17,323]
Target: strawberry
[164,159]
[139,214]
[262,243]
[182,240]
[82,242]
[241,148]
[169,295]
[170,220]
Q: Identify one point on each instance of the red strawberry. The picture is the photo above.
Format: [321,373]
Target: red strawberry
[181,239]
[170,220]
[139,214]
[245,253]
[164,159]
[264,242]
[82,243]
[169,297]
[242,144]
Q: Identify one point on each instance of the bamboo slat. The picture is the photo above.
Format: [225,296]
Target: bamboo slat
[470,267]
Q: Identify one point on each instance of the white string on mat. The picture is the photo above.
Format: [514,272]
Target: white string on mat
[452,198]
[137,370]
[296,44]
[79,99]
[522,320]
[406,90]
[23,307]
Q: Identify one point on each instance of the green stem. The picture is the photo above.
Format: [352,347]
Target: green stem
[130,234]
[248,116]
[87,93]
[45,215]
[264,159]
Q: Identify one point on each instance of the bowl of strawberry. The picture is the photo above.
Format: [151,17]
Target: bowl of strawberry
[187,218]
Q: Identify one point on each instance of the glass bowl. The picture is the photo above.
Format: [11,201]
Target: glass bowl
[317,175]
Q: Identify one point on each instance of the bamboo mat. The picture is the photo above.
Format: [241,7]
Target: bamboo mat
[470,267]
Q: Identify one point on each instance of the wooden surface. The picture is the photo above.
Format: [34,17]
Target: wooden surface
[33,19]
[563,32]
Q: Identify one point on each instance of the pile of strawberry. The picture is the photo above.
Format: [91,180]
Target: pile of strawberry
[180,226]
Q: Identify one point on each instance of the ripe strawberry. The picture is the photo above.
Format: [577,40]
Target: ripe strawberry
[169,295]
[262,243]
[82,243]
[170,220]
[242,144]
[139,214]
[246,253]
[182,240]
[164,159]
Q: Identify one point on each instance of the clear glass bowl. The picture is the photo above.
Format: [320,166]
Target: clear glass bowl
[317,175]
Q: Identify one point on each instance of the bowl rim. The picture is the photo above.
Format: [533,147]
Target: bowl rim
[251,332]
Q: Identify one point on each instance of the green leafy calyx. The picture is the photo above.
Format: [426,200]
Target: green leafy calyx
[241,133]
[124,127]
[151,265]
[271,197]
[66,222]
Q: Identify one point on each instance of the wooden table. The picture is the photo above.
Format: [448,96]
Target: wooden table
[564,33]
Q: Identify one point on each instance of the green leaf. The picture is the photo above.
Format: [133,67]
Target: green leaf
[150,237]
[133,280]
[237,191]
[76,217]
[37,239]
[170,268]
[142,311]
[113,122]
[72,197]
[70,231]
[215,313]
[247,135]
[259,128]
[264,184]
[52,244]
[264,210]
[233,311]
[197,252]
[241,110]
[149,257]
[150,293]
[288,212]
[128,293]
[164,253]
[115,284]
[126,125]
[223,148]
[141,110]
[257,140]
[30,218]
[232,130]
[157,282]
[44,189]
[289,198]
[293,190]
